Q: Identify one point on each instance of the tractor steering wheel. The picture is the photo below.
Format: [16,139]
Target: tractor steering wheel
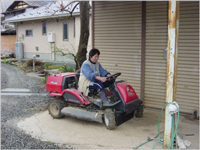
[113,77]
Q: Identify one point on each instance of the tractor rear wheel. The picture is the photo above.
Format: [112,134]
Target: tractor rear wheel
[109,119]
[139,111]
[55,107]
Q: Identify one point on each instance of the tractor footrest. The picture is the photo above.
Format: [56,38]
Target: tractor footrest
[112,104]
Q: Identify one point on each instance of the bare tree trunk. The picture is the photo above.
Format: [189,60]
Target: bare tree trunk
[84,33]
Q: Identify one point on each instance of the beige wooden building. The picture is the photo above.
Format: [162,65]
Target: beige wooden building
[34,26]
[125,30]
[38,42]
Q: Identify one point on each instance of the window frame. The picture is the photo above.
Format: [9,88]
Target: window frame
[44,25]
[29,35]
[65,39]
[74,27]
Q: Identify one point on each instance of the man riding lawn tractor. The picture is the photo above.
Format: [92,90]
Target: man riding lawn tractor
[93,94]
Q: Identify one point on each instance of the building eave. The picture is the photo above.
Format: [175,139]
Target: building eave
[42,17]
[39,18]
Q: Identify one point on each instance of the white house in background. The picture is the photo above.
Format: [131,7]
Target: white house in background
[41,29]
[8,33]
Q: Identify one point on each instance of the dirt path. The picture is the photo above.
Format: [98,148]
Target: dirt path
[16,108]
[16,78]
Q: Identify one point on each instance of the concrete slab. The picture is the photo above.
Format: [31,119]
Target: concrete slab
[25,94]
[20,92]
[92,135]
[15,90]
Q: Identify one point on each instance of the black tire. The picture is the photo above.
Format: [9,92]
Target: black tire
[109,119]
[139,111]
[54,108]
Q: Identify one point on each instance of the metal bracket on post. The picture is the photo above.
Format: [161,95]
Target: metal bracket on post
[165,53]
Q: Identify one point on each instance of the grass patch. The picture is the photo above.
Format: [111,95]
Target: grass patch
[48,141]
[43,80]
[40,66]
[62,68]
[55,67]
[4,60]
[46,65]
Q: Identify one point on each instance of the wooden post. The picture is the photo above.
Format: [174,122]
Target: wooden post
[172,55]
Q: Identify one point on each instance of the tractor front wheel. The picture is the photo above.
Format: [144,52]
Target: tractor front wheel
[54,108]
[109,119]
[139,111]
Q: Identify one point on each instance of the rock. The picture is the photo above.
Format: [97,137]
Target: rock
[187,143]
[180,143]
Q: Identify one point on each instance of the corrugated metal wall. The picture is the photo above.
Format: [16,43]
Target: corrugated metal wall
[117,34]
[188,57]
[156,43]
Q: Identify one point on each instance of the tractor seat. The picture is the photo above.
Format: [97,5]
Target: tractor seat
[77,79]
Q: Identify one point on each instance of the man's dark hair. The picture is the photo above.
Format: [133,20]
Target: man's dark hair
[93,52]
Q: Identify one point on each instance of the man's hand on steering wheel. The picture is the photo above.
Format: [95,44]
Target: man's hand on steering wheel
[113,77]
[107,75]
[103,79]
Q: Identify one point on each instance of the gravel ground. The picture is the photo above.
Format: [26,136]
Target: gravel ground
[16,108]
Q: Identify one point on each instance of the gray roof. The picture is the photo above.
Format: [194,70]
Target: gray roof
[36,3]
[50,10]
[5,5]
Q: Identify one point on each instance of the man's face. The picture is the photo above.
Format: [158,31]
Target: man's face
[94,58]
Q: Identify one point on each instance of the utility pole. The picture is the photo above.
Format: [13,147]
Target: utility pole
[172,55]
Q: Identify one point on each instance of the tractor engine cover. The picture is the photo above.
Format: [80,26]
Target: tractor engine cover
[56,83]
[127,92]
[75,96]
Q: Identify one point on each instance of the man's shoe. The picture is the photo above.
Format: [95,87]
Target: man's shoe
[98,103]
[104,98]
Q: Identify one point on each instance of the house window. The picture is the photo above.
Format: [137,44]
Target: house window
[65,31]
[44,28]
[74,27]
[29,33]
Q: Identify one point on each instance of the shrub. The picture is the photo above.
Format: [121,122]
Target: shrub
[70,69]
[46,65]
[10,61]
[5,60]
[39,63]
[65,68]
[30,62]
[54,67]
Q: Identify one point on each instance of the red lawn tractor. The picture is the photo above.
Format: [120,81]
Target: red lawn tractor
[124,102]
